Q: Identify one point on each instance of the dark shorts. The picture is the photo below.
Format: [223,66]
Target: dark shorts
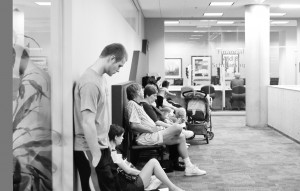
[138,185]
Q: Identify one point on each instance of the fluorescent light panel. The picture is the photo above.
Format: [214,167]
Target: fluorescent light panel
[221,4]
[196,35]
[202,26]
[194,38]
[279,22]
[43,3]
[277,14]
[290,6]
[172,22]
[212,14]
[225,22]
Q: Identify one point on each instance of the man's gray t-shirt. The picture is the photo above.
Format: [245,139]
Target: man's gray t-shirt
[91,93]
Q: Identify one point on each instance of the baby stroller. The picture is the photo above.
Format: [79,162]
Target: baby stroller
[198,112]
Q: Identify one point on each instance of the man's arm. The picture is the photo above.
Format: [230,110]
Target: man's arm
[90,133]
[170,94]
[161,123]
[140,128]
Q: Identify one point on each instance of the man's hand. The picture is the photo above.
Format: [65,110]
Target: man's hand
[96,158]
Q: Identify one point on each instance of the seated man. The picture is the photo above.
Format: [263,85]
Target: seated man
[237,81]
[150,134]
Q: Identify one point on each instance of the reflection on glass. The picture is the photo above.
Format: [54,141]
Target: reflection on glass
[32,132]
[31,124]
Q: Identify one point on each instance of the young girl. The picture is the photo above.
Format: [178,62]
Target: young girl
[144,176]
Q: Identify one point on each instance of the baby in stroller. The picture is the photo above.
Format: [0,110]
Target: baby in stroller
[198,111]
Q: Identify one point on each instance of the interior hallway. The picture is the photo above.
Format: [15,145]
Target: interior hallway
[242,158]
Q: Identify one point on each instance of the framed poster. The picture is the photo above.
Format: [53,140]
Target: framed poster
[201,68]
[40,61]
[173,67]
[231,64]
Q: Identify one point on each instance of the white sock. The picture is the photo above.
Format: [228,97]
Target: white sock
[187,162]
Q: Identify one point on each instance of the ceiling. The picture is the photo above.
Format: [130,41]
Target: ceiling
[195,8]
[189,13]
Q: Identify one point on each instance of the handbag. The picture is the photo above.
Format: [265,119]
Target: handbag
[128,177]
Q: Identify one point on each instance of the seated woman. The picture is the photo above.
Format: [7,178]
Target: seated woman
[144,176]
[150,94]
[149,134]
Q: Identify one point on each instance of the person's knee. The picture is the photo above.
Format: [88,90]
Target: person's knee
[180,138]
[154,161]
[177,128]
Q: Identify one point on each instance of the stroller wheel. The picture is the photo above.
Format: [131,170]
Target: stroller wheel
[210,135]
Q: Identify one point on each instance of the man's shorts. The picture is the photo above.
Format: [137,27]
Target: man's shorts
[155,138]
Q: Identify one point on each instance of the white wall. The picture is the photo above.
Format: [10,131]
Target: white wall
[94,25]
[287,56]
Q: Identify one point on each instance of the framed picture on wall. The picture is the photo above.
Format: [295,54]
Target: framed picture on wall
[173,67]
[231,64]
[201,68]
[40,61]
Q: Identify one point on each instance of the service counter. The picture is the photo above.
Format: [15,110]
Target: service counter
[218,103]
[284,109]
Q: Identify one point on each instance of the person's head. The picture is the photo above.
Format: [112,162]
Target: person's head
[166,111]
[115,55]
[165,84]
[115,134]
[180,113]
[150,93]
[134,91]
[237,75]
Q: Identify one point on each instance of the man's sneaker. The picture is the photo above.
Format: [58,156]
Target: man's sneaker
[194,171]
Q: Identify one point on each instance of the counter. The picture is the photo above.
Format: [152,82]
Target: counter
[284,109]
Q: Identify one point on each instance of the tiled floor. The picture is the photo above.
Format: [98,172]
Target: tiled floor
[241,158]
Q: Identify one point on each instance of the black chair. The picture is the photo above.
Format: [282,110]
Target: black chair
[128,148]
[210,90]
[238,97]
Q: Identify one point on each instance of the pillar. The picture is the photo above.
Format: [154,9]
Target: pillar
[257,53]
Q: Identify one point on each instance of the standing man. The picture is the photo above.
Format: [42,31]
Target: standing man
[92,119]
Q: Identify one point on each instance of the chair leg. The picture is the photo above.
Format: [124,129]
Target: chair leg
[134,155]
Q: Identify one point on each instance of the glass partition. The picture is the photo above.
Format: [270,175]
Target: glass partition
[212,52]
[33,135]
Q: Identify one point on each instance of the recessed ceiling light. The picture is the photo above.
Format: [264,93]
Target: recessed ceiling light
[259,1]
[194,38]
[277,14]
[172,22]
[43,3]
[196,35]
[212,14]
[202,26]
[279,22]
[289,6]
[221,4]
[225,22]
